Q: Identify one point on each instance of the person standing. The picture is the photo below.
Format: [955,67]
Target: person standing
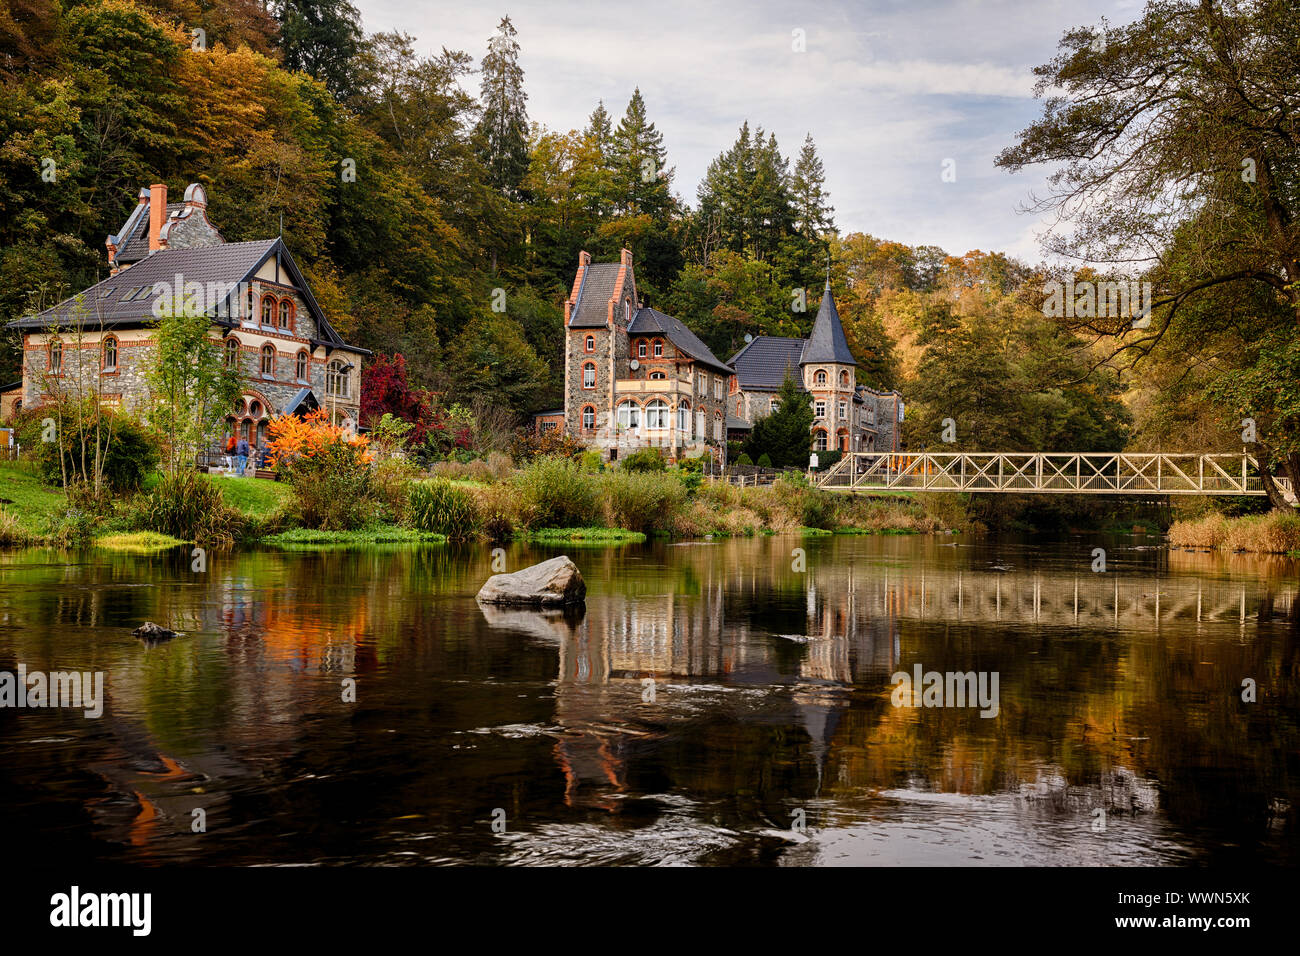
[241,455]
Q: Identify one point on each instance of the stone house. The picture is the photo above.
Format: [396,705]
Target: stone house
[263,315]
[635,377]
[847,415]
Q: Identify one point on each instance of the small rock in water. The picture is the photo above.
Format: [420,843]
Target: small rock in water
[152,633]
[552,583]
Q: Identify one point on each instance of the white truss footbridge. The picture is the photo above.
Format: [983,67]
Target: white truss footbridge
[1077,473]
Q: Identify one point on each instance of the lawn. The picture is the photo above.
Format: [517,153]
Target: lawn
[23,496]
[252,496]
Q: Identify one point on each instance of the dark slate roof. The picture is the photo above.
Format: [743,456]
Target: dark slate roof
[762,365]
[304,398]
[592,309]
[827,342]
[652,321]
[106,305]
[107,300]
[735,424]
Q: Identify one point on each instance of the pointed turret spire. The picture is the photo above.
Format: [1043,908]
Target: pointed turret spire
[827,342]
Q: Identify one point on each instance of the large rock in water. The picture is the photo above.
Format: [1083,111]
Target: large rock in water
[552,583]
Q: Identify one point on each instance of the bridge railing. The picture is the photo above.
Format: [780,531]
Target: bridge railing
[1098,473]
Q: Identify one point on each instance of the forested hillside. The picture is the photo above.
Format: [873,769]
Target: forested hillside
[409,201]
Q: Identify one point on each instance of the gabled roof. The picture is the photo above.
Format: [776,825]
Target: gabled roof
[654,322]
[598,284]
[133,241]
[110,304]
[763,364]
[827,342]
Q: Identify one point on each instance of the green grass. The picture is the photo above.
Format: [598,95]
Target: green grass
[379,534]
[605,535]
[253,496]
[34,505]
[138,541]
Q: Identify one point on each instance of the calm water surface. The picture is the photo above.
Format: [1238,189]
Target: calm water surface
[771,702]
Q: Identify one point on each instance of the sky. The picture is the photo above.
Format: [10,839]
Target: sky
[890,91]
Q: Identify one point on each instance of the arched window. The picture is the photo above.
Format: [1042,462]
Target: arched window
[656,414]
[843,440]
[301,368]
[268,359]
[232,352]
[820,377]
[657,375]
[589,375]
[717,426]
[268,310]
[738,408]
[776,404]
[590,344]
[286,313]
[588,418]
[819,437]
[629,415]
[110,354]
[844,378]
[337,381]
[247,428]
[684,417]
[56,357]
[249,311]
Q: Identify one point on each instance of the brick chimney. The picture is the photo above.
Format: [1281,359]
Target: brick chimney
[157,215]
[626,258]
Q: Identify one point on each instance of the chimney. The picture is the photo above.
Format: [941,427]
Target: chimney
[626,258]
[584,259]
[157,214]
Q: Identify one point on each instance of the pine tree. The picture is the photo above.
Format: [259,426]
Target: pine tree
[502,131]
[812,212]
[321,37]
[642,175]
[785,436]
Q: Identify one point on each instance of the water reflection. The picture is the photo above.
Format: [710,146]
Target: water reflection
[709,697]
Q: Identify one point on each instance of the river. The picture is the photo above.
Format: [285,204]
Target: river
[717,702]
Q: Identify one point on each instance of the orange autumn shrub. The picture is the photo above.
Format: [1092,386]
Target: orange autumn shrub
[328,467]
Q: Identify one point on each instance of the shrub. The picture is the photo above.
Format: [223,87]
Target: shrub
[1276,532]
[187,506]
[694,466]
[644,459]
[641,501]
[556,493]
[592,461]
[825,459]
[496,505]
[439,506]
[328,468]
[765,460]
[500,465]
[746,460]
[129,450]
[390,484]
[12,532]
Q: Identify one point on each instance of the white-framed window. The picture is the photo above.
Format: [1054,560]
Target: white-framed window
[700,426]
[110,354]
[656,414]
[590,344]
[301,367]
[819,409]
[659,350]
[820,376]
[657,376]
[588,418]
[844,409]
[268,359]
[717,427]
[820,437]
[640,350]
[704,383]
[589,375]
[629,415]
[684,417]
[337,381]
[776,404]
[717,387]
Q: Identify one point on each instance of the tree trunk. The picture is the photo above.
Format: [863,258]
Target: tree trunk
[1290,469]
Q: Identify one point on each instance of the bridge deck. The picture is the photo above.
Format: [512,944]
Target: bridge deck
[1085,473]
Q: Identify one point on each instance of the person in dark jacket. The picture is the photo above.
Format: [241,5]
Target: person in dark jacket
[241,455]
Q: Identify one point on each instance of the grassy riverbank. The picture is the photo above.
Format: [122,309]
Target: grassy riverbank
[550,500]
